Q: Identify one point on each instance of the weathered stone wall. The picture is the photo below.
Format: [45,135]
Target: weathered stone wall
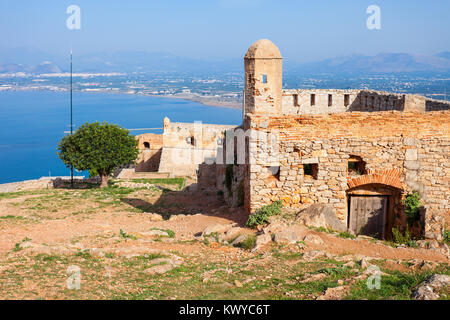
[186,145]
[326,101]
[150,149]
[436,105]
[406,150]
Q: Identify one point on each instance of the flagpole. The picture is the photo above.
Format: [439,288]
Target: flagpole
[71,115]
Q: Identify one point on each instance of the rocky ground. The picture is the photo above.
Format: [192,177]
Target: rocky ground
[149,240]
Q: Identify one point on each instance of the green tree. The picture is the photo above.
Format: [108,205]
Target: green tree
[98,147]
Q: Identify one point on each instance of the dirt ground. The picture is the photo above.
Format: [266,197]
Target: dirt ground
[107,235]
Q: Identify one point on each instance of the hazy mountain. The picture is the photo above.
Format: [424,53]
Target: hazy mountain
[33,61]
[380,63]
[24,56]
[129,61]
[445,55]
[44,67]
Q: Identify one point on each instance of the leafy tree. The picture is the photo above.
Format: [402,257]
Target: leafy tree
[98,147]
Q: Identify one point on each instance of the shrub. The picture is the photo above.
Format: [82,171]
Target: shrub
[346,235]
[412,207]
[248,243]
[405,239]
[124,235]
[261,216]
[447,236]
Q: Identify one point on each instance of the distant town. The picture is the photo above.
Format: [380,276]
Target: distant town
[219,89]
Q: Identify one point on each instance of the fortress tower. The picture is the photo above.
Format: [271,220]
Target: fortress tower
[263,79]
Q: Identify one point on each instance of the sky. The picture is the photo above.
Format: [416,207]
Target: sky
[304,30]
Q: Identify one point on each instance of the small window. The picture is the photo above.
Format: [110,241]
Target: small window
[295,100]
[147,145]
[313,100]
[275,172]
[330,100]
[346,100]
[311,170]
[356,166]
[191,141]
[264,78]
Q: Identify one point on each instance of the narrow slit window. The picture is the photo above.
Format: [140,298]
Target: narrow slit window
[330,100]
[313,100]
[295,100]
[346,100]
[264,78]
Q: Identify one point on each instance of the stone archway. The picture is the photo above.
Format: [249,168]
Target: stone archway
[374,202]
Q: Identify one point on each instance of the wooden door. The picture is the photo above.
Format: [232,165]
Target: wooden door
[368,215]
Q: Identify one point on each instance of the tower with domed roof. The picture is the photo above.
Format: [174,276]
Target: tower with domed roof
[263,78]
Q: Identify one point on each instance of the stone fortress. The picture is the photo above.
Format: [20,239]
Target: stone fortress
[358,151]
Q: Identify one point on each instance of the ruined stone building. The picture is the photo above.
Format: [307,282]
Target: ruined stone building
[359,151]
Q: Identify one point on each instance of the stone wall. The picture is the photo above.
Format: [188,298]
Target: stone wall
[187,145]
[326,101]
[405,151]
[150,149]
[436,105]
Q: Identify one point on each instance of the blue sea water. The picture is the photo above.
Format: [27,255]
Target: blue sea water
[32,123]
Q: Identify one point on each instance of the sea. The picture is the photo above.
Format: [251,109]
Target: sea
[33,122]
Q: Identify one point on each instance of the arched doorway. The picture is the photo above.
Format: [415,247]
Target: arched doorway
[374,203]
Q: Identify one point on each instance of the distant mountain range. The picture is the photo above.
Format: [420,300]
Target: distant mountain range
[44,67]
[36,62]
[380,63]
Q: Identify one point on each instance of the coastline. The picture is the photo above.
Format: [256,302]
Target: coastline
[209,101]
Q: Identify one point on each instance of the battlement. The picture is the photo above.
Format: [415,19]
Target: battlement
[327,101]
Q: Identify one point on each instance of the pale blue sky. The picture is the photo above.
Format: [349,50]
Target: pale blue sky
[304,30]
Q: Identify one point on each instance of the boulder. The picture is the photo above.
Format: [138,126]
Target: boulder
[163,265]
[285,237]
[160,269]
[312,255]
[233,233]
[261,240]
[429,289]
[216,228]
[155,217]
[177,217]
[364,263]
[321,215]
[274,226]
[312,238]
